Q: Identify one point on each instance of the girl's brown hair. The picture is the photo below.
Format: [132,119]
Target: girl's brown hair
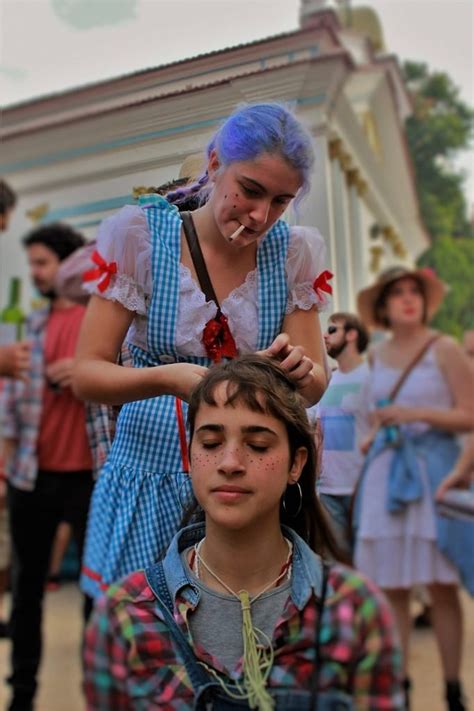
[261,385]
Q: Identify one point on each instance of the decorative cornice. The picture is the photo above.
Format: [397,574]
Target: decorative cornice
[337,151]
[390,236]
[376,254]
[354,179]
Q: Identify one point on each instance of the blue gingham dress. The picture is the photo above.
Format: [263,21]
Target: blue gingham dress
[137,504]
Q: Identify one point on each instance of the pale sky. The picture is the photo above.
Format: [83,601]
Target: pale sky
[47,46]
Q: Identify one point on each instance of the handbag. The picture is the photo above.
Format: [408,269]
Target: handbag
[458,504]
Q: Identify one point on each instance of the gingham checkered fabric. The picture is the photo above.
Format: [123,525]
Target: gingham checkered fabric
[137,502]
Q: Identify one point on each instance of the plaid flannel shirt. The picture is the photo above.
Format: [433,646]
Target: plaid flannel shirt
[21,407]
[132,663]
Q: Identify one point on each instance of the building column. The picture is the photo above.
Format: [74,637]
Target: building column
[343,282]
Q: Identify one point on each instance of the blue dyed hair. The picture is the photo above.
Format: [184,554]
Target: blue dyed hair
[249,132]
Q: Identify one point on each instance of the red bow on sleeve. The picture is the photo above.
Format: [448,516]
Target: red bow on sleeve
[321,283]
[218,340]
[103,269]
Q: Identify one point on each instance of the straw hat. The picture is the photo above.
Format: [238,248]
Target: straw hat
[433,288]
[193,166]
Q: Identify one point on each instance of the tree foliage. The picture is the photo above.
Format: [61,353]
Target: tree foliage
[441,126]
[452,260]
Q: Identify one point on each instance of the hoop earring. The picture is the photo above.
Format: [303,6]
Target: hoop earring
[300,502]
[187,502]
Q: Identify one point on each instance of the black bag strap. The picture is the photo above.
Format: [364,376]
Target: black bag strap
[317,640]
[198,259]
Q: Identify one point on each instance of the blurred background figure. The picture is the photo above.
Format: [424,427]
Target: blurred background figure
[7,203]
[14,357]
[419,388]
[47,455]
[462,476]
[342,414]
[14,362]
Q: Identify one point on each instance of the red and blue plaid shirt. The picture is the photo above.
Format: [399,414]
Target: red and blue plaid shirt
[132,662]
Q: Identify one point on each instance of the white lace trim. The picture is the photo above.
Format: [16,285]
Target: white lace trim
[240,307]
[304,297]
[124,289]
[133,284]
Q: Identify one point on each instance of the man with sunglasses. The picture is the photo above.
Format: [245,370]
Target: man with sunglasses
[342,415]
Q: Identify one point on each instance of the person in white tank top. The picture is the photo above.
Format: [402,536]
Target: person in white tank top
[398,546]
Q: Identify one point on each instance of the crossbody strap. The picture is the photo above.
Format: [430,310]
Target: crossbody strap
[198,259]
[396,388]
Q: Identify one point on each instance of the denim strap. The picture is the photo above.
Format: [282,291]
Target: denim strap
[155,576]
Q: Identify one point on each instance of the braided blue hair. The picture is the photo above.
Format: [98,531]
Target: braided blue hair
[250,131]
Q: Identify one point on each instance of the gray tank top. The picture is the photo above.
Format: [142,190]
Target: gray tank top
[216,623]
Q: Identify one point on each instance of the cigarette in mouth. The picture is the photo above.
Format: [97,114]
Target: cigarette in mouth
[236,233]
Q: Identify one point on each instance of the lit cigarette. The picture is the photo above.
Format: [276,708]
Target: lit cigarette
[236,233]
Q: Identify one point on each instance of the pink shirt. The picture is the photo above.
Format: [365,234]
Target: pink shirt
[62,440]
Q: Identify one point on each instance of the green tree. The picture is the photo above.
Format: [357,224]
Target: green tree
[441,126]
[452,260]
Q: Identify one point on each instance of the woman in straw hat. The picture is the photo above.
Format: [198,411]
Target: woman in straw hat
[400,540]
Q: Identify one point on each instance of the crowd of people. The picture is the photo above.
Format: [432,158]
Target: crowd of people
[259,522]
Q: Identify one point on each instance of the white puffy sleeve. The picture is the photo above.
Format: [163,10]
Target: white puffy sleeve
[124,246]
[306,261]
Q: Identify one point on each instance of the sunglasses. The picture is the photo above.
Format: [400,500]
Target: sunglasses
[332,329]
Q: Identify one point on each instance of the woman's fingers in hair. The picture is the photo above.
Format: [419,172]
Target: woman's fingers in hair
[298,367]
[279,348]
[294,360]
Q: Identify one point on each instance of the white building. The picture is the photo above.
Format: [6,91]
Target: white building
[78,155]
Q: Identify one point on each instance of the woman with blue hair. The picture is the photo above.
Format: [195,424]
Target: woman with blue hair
[187,291]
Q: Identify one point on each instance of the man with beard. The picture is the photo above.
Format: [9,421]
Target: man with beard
[48,460]
[342,415]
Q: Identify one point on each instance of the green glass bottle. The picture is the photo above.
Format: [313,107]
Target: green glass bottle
[12,316]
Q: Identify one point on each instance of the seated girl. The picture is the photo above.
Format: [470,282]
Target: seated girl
[243,612]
